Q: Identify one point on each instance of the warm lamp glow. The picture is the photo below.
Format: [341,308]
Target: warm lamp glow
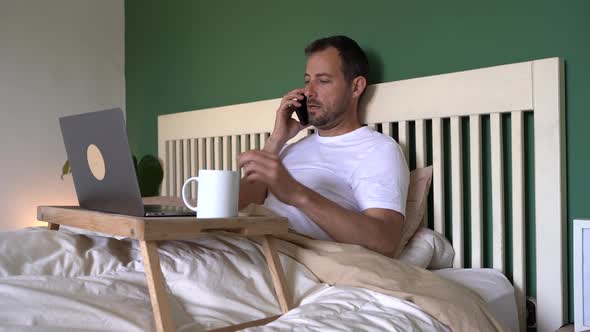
[38,223]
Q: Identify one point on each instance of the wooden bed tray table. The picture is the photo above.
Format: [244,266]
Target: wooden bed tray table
[252,221]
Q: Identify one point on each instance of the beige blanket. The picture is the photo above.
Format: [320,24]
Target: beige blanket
[350,265]
[343,264]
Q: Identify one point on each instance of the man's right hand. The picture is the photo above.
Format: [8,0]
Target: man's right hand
[285,126]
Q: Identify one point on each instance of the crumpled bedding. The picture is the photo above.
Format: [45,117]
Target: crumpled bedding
[52,281]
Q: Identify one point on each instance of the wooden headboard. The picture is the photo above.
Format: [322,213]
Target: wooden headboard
[459,123]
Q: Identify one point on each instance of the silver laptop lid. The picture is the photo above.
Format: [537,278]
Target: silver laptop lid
[102,166]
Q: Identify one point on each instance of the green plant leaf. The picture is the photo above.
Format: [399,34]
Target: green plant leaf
[65,169]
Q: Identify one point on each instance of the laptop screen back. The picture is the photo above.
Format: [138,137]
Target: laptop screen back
[102,166]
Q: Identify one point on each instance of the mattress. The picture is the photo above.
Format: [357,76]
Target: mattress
[493,287]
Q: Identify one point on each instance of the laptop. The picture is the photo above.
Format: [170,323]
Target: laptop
[102,165]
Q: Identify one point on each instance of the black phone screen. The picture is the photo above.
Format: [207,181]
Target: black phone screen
[302,112]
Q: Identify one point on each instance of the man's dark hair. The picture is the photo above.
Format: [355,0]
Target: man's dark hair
[354,59]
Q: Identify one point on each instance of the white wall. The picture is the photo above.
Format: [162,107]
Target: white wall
[57,57]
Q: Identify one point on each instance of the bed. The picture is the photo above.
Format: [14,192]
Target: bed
[476,129]
[79,281]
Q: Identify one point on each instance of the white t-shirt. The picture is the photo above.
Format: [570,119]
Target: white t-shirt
[359,170]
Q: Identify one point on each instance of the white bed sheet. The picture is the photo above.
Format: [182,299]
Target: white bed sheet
[493,287]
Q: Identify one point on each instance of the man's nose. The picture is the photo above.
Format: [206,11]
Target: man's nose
[309,90]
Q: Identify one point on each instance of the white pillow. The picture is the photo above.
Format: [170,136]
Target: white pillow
[428,249]
[418,190]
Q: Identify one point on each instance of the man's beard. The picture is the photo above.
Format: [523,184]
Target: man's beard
[329,117]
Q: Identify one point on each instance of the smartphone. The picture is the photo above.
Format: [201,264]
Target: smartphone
[302,111]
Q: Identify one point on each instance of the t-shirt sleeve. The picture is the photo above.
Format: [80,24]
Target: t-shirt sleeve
[382,178]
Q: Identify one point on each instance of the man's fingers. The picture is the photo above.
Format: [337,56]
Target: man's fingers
[259,156]
[292,98]
[298,91]
[255,177]
[255,172]
[248,169]
[293,104]
[259,166]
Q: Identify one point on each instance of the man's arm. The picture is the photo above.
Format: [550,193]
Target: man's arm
[376,229]
[285,128]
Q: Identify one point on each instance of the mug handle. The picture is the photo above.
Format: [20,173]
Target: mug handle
[186,201]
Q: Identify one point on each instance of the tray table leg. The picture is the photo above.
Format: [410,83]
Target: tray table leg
[276,272]
[52,226]
[156,286]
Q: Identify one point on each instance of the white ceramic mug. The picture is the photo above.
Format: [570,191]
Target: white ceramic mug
[217,194]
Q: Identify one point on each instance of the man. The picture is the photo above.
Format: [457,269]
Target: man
[346,182]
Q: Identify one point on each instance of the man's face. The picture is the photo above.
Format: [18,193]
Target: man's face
[328,93]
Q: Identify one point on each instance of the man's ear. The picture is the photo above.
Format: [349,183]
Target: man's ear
[358,86]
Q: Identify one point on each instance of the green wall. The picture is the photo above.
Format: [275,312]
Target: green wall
[186,55]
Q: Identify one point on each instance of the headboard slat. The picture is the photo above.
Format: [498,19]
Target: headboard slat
[386,128]
[421,155]
[186,157]
[420,143]
[497,161]
[173,167]
[438,176]
[166,168]
[178,166]
[243,143]
[234,152]
[194,165]
[202,153]
[243,147]
[223,141]
[262,139]
[457,191]
[518,221]
[404,138]
[475,192]
[217,153]
[209,152]
[253,141]
[170,167]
